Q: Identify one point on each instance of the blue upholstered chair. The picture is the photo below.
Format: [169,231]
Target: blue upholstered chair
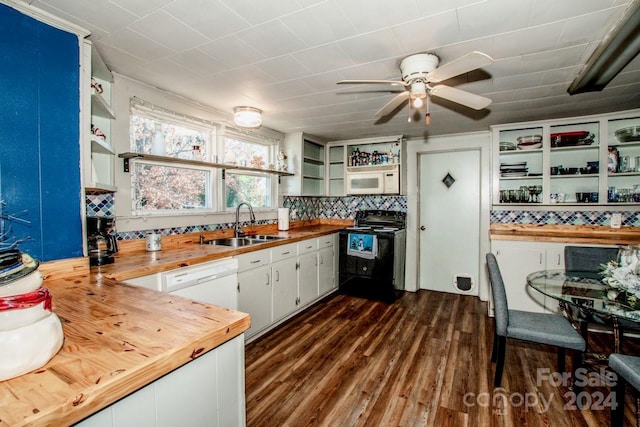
[628,370]
[542,328]
[587,258]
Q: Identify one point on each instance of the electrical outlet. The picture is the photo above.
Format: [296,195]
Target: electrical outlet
[616,220]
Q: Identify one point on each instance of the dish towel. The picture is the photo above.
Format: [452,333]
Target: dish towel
[362,245]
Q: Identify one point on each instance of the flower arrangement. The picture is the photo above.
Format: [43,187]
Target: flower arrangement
[622,279]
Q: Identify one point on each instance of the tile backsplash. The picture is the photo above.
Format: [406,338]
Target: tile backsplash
[340,207]
[629,218]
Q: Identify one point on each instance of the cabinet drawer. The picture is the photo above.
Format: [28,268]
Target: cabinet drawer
[283,252]
[307,246]
[326,241]
[253,260]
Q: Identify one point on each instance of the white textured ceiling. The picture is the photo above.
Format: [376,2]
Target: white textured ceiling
[285,56]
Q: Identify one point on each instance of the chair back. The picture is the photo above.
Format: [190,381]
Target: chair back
[587,258]
[500,306]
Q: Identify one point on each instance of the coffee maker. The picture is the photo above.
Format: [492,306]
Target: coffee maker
[101,242]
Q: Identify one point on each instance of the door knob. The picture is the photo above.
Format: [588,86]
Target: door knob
[422,228]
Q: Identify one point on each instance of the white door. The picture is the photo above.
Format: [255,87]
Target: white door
[450,220]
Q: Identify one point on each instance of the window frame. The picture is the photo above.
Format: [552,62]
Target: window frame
[250,138]
[216,183]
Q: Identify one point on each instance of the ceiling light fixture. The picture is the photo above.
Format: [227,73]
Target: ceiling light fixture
[247,117]
[615,51]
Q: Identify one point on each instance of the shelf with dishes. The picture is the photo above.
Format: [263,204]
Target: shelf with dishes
[582,160]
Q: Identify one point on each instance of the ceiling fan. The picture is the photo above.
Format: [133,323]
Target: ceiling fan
[421,70]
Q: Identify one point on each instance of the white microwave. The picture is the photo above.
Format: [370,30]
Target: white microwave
[377,179]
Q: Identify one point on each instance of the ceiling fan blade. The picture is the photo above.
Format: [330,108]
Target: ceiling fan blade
[372,82]
[464,64]
[462,97]
[395,102]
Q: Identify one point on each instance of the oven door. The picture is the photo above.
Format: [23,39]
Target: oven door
[365,182]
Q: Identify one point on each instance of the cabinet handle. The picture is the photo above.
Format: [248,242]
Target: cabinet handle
[255,262]
[277,275]
[238,286]
[285,253]
[321,260]
[558,259]
[267,279]
[540,258]
[309,247]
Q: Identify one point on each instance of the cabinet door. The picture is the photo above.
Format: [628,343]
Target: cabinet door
[308,278]
[254,297]
[326,270]
[516,263]
[285,287]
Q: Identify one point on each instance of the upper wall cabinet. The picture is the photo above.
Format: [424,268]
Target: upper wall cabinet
[585,160]
[306,160]
[363,155]
[98,152]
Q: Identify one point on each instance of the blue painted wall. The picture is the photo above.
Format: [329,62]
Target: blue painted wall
[39,135]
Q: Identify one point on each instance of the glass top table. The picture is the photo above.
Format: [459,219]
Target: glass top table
[587,292]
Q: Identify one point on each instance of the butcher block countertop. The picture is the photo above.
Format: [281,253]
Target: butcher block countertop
[588,234]
[119,338]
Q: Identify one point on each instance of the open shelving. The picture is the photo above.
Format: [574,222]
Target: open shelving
[578,151]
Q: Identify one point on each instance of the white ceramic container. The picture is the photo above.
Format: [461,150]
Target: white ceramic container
[29,347]
[28,283]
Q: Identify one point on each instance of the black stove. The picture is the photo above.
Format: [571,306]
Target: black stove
[372,255]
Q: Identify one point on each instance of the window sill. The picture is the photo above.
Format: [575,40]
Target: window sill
[128,156]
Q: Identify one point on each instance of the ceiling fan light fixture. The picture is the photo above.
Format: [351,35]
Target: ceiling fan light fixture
[417,103]
[247,117]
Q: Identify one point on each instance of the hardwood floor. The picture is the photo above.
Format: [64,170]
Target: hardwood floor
[422,361]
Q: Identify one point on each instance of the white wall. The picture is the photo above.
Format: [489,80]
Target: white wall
[415,147]
[125,88]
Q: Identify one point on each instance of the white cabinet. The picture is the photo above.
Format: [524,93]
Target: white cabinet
[284,271]
[276,283]
[361,155]
[327,263]
[254,289]
[307,271]
[98,151]
[306,160]
[209,391]
[518,259]
[583,160]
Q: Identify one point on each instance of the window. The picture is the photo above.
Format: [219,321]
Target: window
[159,187]
[247,186]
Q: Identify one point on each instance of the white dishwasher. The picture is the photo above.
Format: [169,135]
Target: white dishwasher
[214,282]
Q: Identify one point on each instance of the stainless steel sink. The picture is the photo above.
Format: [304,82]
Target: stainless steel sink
[242,241]
[265,237]
[232,241]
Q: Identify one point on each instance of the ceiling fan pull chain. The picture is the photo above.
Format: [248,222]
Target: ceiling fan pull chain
[427,116]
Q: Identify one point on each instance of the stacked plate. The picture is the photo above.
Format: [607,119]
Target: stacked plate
[516,169]
[529,142]
[30,334]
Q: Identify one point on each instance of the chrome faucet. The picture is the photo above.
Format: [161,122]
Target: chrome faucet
[237,229]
